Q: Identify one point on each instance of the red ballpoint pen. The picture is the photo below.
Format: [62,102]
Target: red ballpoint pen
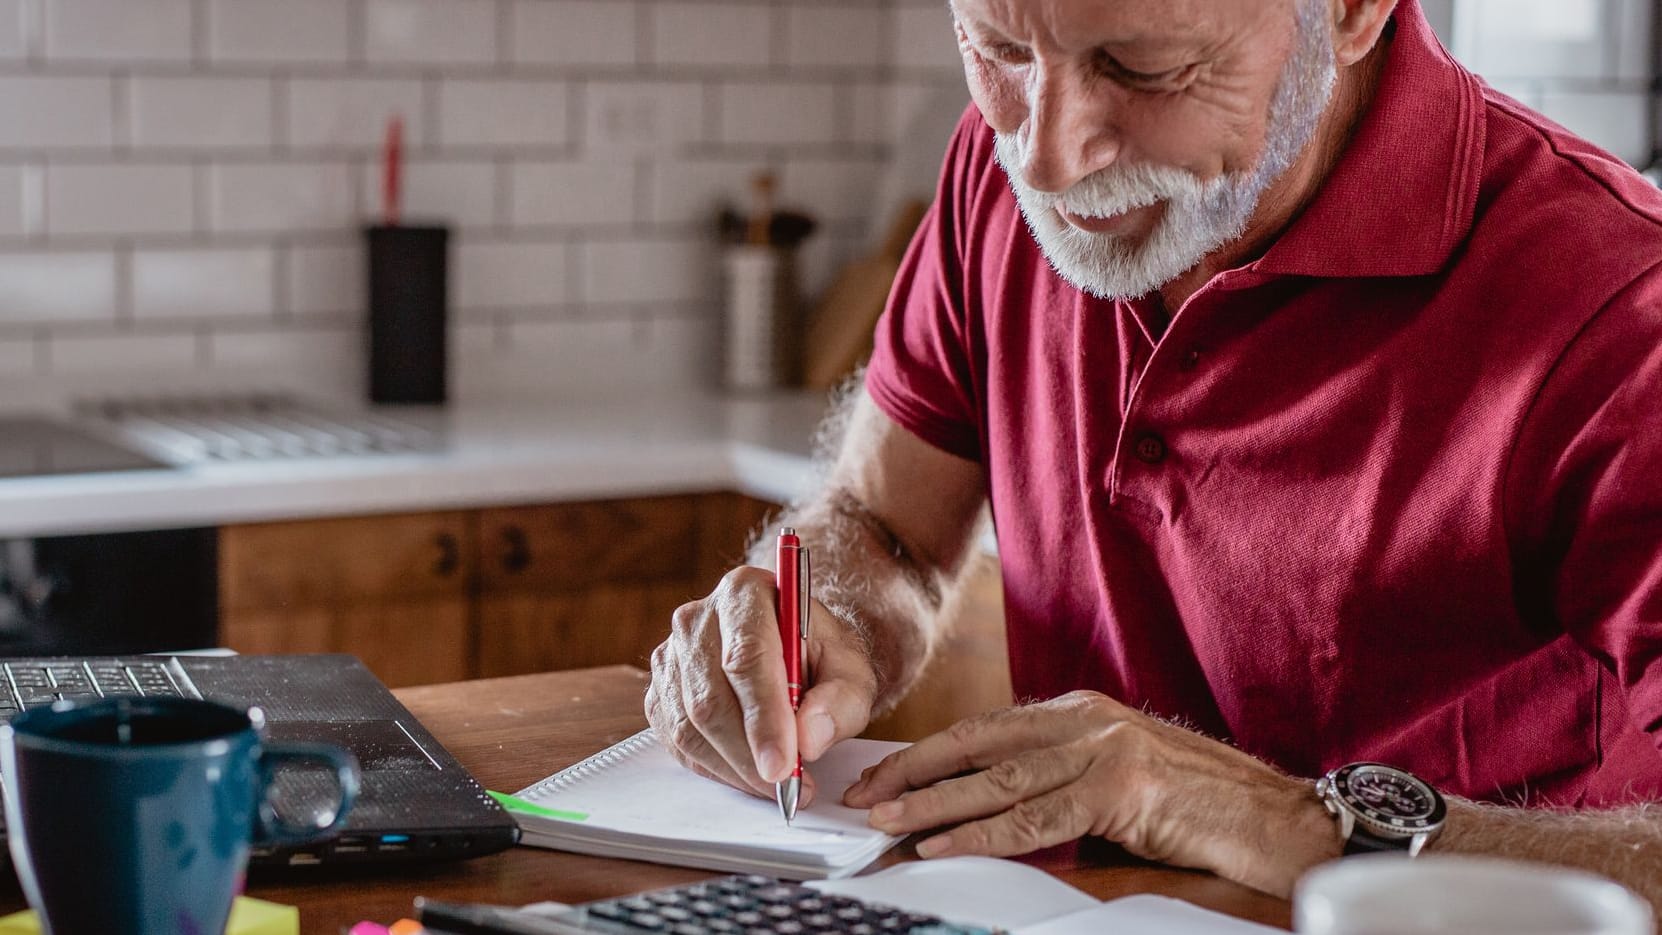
[792,578]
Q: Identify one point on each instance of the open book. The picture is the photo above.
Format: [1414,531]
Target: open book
[634,801]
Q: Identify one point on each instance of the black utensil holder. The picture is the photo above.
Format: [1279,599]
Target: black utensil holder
[408,308]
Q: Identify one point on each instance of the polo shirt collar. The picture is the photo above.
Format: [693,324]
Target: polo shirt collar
[1403,195]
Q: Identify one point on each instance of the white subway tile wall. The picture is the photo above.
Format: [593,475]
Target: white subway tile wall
[204,283]
[461,193]
[208,113]
[14,32]
[57,112]
[108,355]
[1585,64]
[573,32]
[49,288]
[923,37]
[647,272]
[298,31]
[126,31]
[779,112]
[15,209]
[183,182]
[324,280]
[712,33]
[502,113]
[327,113]
[282,197]
[431,32]
[567,193]
[520,274]
[119,199]
[19,358]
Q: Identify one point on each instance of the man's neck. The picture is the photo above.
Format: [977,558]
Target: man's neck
[1281,203]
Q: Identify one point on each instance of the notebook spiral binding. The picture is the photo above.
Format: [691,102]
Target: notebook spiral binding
[598,763]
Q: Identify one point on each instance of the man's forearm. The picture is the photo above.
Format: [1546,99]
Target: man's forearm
[865,576]
[1624,844]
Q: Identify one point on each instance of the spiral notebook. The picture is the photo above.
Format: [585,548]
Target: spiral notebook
[634,801]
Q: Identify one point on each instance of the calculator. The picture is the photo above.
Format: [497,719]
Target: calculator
[736,905]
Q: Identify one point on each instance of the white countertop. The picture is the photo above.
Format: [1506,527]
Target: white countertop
[492,456]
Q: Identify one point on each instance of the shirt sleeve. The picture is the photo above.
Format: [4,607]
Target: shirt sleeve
[921,372]
[1586,493]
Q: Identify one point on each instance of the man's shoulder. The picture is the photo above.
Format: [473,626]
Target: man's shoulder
[979,210]
[971,172]
[1550,203]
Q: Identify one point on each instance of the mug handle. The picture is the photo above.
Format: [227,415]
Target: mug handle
[273,830]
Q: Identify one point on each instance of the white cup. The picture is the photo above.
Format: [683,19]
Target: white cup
[1387,894]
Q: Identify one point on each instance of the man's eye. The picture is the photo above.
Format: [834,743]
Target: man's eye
[1149,78]
[1008,53]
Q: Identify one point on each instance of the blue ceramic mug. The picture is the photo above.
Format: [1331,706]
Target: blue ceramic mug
[136,815]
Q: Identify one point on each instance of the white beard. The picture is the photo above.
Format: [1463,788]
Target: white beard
[1200,216]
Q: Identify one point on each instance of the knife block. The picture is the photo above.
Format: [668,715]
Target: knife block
[408,308]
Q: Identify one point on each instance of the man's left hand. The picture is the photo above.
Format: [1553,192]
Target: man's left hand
[1024,778]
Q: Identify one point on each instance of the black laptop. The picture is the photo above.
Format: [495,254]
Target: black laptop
[416,801]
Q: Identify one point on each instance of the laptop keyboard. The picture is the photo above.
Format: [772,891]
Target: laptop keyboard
[33,684]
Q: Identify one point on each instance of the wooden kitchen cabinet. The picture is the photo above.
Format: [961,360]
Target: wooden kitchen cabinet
[396,591]
[601,625]
[436,597]
[582,584]
[402,642]
[585,584]
[330,562]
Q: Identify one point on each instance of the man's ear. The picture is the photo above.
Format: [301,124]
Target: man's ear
[1357,25]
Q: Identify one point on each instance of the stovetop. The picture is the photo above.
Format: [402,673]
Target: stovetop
[178,432]
[32,446]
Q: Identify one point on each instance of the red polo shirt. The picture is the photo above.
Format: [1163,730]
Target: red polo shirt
[1392,491]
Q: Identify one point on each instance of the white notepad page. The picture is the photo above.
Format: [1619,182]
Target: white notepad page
[636,794]
[1023,900]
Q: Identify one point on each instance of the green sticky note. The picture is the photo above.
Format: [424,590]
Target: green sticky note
[516,804]
[248,917]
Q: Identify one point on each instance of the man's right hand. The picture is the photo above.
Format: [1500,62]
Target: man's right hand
[718,698]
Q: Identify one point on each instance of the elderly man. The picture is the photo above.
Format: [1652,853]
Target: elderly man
[1319,405]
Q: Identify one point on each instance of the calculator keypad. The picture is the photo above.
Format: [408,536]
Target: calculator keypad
[758,905]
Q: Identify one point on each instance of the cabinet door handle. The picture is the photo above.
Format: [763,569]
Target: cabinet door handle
[450,555]
[516,552]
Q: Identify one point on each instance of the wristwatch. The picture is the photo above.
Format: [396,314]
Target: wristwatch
[1382,808]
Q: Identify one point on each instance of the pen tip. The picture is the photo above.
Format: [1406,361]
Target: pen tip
[786,794]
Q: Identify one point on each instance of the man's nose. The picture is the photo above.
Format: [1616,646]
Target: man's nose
[1070,131]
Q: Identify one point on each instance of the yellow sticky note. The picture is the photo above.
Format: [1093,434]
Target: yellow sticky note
[248,917]
[258,917]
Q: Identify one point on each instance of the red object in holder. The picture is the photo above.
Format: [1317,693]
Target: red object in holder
[791,578]
[392,172]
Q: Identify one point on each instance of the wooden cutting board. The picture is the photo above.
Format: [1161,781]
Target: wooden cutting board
[840,328]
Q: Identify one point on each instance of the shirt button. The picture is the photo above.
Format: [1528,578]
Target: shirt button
[1190,359]
[1151,448]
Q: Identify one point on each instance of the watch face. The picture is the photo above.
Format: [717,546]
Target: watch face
[1388,797]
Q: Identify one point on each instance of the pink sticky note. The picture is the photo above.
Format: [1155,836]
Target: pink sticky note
[368,928]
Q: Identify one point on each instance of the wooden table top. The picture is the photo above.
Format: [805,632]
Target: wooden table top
[511,732]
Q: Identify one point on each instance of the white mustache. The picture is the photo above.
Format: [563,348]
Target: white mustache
[1109,192]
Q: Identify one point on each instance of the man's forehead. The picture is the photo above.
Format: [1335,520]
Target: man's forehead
[1116,21]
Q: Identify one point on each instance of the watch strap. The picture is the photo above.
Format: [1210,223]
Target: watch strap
[1364,842]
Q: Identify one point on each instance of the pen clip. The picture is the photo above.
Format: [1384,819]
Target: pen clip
[804,589]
